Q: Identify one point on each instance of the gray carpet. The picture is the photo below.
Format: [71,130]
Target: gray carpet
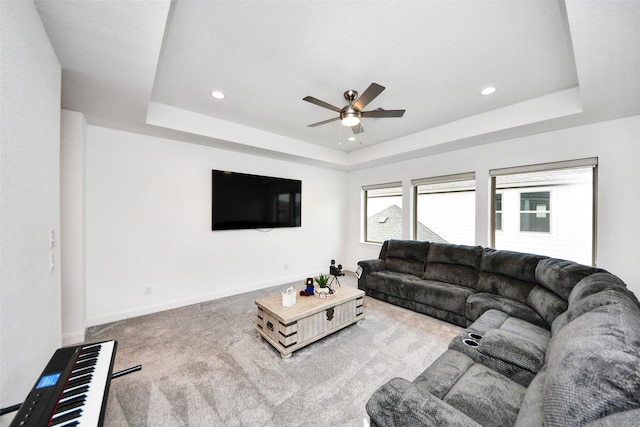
[204,365]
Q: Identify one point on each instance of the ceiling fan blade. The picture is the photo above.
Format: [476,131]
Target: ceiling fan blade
[316,101]
[382,113]
[369,95]
[324,122]
[357,128]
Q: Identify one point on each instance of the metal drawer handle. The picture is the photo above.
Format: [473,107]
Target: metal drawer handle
[270,326]
[330,314]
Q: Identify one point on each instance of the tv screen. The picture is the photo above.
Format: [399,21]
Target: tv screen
[243,201]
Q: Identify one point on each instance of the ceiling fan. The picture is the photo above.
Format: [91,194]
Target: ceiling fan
[351,114]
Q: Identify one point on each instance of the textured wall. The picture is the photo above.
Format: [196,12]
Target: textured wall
[29,200]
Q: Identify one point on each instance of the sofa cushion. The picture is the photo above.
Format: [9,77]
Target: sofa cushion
[593,364]
[439,294]
[486,396]
[516,265]
[597,283]
[480,302]
[400,403]
[407,256]
[594,291]
[506,344]
[531,411]
[513,348]
[560,276]
[391,282]
[547,304]
[457,264]
[443,373]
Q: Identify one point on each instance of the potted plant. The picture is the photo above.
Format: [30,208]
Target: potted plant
[322,281]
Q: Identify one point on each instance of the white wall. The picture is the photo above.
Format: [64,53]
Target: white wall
[29,200]
[73,133]
[615,143]
[148,223]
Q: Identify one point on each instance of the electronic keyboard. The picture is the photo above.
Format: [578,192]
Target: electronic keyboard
[73,388]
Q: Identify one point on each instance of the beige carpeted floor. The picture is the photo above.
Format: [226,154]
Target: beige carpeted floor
[204,365]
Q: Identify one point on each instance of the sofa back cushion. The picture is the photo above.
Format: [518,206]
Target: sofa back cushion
[593,291]
[560,276]
[593,362]
[547,304]
[407,256]
[457,264]
[507,273]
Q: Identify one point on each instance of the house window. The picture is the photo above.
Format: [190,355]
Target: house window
[547,209]
[498,215]
[382,212]
[445,208]
[535,211]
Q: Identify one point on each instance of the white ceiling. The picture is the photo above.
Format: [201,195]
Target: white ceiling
[149,66]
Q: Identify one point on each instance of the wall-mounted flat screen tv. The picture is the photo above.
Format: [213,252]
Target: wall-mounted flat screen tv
[243,201]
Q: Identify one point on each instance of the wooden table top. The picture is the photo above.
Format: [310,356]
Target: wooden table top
[306,305]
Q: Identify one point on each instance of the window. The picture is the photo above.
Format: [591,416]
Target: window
[535,213]
[498,215]
[547,209]
[383,212]
[445,209]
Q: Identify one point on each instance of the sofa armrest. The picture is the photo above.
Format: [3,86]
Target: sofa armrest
[372,265]
[513,348]
[400,402]
[369,266]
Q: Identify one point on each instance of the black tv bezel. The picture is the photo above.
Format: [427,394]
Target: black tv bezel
[242,226]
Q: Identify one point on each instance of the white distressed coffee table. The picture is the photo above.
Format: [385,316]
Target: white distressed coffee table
[291,328]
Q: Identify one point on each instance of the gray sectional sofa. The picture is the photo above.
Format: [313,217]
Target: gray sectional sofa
[547,341]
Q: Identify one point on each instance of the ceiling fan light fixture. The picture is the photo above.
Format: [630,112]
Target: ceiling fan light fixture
[349,117]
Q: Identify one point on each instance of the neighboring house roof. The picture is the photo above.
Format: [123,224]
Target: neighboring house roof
[387,224]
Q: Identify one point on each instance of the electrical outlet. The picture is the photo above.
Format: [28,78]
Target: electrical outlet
[148,290]
[52,238]
[286,266]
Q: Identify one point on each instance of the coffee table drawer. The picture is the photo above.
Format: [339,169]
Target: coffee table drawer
[319,323]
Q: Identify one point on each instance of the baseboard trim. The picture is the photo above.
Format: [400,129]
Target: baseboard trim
[72,338]
[150,309]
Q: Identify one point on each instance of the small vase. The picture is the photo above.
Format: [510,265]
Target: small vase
[323,291]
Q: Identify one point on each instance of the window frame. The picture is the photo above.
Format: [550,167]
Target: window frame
[542,167]
[496,211]
[531,211]
[365,199]
[442,179]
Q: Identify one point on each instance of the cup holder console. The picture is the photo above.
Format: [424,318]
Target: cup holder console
[470,342]
[475,336]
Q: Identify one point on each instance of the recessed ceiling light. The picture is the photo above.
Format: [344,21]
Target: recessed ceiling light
[352,138]
[217,94]
[488,90]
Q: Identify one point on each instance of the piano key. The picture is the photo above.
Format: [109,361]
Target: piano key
[82,371]
[93,408]
[85,364]
[74,391]
[70,404]
[82,380]
[66,417]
